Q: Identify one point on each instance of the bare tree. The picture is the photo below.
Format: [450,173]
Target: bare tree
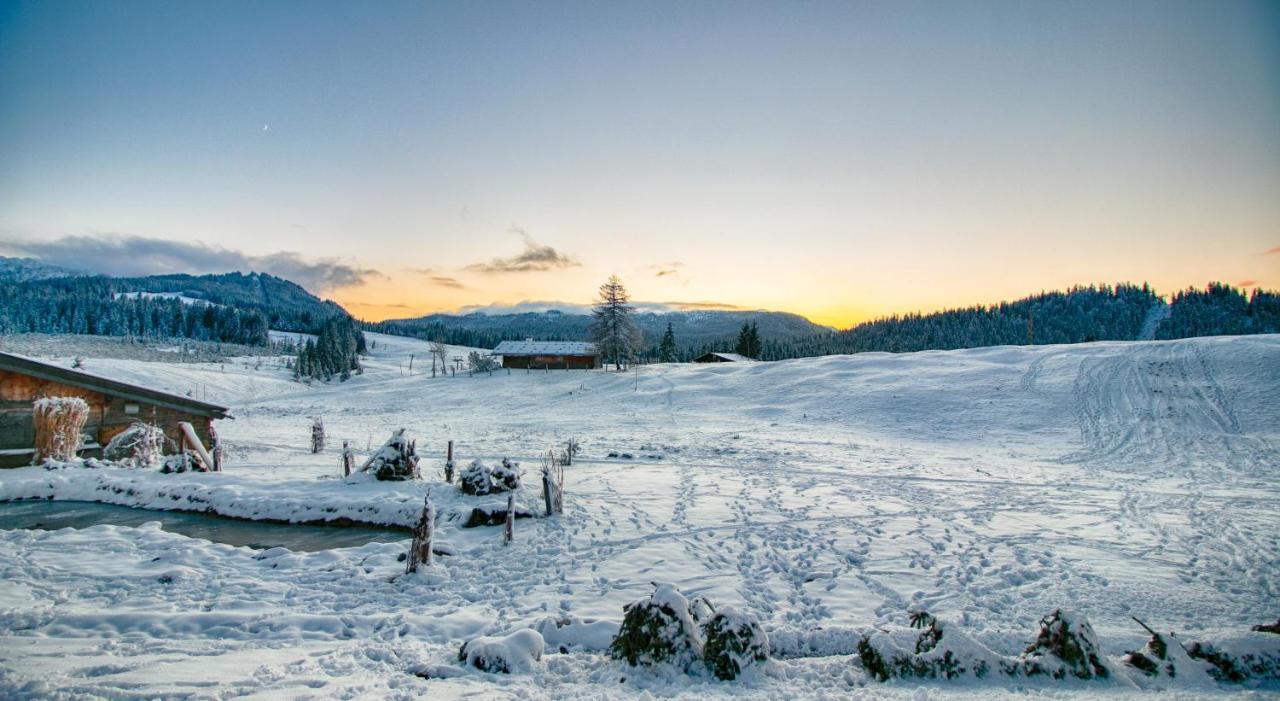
[438,350]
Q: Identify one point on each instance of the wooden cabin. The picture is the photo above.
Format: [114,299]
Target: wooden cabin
[113,407]
[551,355]
[722,358]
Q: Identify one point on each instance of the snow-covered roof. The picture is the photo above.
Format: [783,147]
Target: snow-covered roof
[732,357]
[545,348]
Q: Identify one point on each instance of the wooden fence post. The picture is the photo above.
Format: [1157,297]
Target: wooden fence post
[510,534]
[348,459]
[448,464]
[546,490]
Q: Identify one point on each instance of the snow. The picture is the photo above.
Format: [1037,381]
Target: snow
[823,496]
[514,653]
[163,295]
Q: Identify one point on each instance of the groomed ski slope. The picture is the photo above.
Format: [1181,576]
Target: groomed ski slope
[825,495]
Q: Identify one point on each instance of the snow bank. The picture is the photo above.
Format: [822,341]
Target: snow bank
[514,653]
[359,499]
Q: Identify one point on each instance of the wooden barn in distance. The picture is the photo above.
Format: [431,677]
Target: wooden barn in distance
[113,406]
[552,355]
[715,357]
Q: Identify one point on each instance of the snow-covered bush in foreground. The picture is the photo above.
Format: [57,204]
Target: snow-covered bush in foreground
[1254,656]
[1164,657]
[937,652]
[140,445]
[178,462]
[658,630]
[514,653]
[734,641]
[667,628]
[1065,645]
[396,460]
[479,479]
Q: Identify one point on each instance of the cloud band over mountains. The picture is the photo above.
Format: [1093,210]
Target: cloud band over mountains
[535,257]
[130,256]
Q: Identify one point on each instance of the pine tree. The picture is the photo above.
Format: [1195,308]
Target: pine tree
[612,327]
[667,350]
[749,343]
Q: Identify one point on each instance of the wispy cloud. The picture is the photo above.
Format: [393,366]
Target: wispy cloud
[127,256]
[695,306]
[1272,251]
[446,281]
[437,279]
[535,257]
[378,305]
[1247,283]
[671,269]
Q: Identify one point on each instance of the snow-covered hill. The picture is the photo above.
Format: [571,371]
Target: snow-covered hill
[825,495]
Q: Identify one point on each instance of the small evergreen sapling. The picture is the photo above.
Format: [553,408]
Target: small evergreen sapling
[1066,644]
[734,641]
[658,630]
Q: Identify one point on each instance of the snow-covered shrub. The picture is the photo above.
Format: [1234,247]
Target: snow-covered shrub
[476,479]
[573,634]
[936,652]
[140,445]
[505,477]
[1164,657]
[734,641]
[514,653]
[58,422]
[1065,645]
[479,479]
[1255,656]
[178,462]
[396,460]
[658,630]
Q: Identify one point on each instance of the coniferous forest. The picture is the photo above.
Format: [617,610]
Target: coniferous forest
[95,306]
[1079,315]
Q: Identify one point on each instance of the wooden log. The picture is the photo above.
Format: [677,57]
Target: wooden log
[189,434]
[420,547]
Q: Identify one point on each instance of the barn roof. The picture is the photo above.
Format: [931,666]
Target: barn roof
[115,388]
[545,348]
[730,357]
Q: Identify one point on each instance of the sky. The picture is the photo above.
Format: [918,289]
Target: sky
[839,160]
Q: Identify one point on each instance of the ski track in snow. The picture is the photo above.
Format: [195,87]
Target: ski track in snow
[989,485]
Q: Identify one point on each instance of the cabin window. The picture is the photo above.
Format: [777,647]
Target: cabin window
[130,408]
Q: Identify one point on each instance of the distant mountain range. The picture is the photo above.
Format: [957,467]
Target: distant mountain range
[692,329]
[35,296]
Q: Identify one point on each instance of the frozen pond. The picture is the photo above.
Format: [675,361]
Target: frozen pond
[53,515]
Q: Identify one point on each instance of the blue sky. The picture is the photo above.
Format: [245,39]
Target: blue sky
[840,160]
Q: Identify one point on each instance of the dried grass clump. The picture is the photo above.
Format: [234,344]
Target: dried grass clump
[58,422]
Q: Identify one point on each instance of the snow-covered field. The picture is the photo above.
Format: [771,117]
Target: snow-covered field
[824,495]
